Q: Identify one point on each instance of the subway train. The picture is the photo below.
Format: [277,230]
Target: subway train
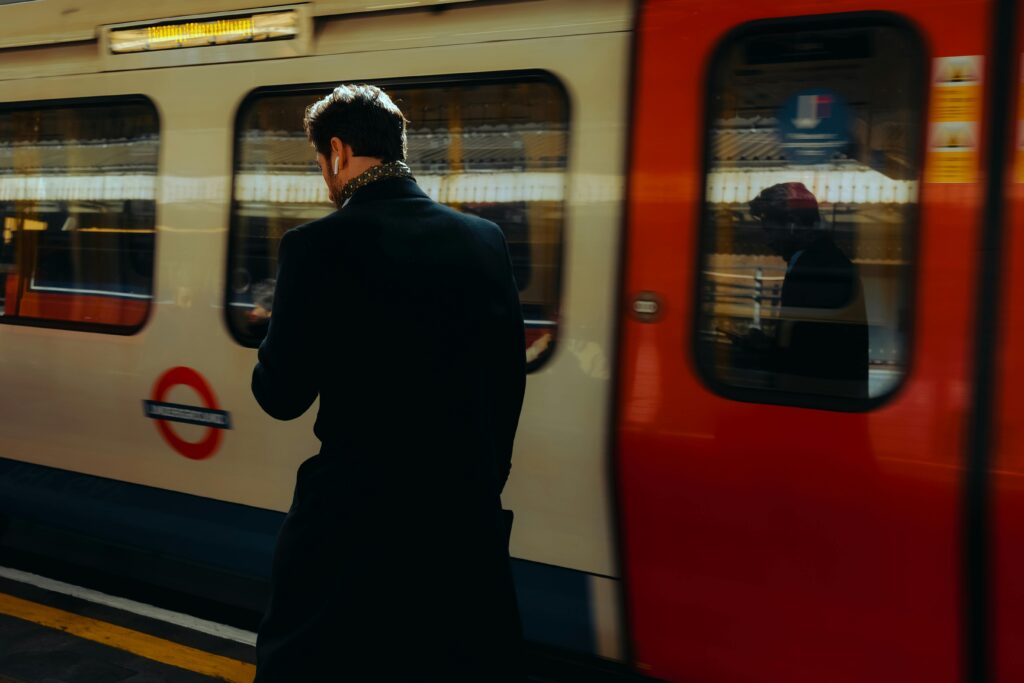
[771,262]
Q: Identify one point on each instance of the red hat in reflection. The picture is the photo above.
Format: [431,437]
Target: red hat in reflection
[785,203]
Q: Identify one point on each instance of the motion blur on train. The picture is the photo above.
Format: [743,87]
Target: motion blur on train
[771,261]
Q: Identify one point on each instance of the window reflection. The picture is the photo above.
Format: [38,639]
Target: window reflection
[820,337]
[811,192]
[77,209]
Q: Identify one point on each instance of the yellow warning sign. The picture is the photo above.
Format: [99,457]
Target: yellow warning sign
[957,104]
[955,113]
[965,69]
[952,167]
[953,152]
[954,136]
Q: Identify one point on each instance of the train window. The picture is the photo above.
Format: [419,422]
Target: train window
[77,212]
[495,148]
[807,236]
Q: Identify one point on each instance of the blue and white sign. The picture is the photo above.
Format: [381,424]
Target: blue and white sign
[814,126]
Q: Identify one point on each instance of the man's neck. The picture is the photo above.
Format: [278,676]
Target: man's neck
[373,173]
[359,165]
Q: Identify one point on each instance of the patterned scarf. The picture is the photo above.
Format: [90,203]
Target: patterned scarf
[392,169]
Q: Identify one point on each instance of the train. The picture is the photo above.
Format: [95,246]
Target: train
[690,505]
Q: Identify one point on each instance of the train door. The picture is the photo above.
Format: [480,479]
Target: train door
[805,210]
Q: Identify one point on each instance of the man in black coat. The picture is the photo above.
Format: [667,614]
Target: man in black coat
[821,345]
[403,316]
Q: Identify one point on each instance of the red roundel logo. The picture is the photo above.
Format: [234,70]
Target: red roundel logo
[208,415]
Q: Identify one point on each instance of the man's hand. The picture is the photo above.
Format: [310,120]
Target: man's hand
[258,314]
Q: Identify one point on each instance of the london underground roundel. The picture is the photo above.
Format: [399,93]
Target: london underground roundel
[207,415]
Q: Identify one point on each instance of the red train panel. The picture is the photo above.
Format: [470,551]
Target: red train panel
[768,542]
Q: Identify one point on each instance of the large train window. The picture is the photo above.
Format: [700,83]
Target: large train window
[77,211]
[495,147]
[807,237]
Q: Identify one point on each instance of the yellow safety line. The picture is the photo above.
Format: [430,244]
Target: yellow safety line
[150,647]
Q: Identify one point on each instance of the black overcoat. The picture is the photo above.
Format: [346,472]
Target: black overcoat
[392,564]
[828,346]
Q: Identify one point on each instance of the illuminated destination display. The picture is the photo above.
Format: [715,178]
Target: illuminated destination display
[204,33]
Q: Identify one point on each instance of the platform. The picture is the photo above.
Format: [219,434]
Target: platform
[57,632]
[51,632]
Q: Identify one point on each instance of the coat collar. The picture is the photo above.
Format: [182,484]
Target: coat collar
[387,188]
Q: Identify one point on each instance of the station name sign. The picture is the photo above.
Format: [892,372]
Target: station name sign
[175,412]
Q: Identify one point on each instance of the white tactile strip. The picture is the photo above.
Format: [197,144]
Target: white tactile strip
[177,618]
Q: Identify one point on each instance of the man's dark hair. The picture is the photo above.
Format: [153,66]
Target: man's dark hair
[362,116]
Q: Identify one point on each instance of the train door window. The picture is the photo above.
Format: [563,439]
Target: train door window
[494,147]
[77,212]
[807,235]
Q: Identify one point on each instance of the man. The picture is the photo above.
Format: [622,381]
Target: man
[403,316]
[821,343]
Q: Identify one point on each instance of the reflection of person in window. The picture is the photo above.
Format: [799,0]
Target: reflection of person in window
[821,343]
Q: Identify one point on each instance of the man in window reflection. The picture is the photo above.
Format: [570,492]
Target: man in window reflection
[821,343]
[403,317]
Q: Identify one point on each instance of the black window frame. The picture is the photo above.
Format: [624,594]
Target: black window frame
[473,79]
[81,326]
[918,49]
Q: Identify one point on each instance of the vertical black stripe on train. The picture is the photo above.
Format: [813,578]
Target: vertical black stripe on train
[626,637]
[977,518]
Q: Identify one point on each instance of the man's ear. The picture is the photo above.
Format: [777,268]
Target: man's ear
[341,152]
